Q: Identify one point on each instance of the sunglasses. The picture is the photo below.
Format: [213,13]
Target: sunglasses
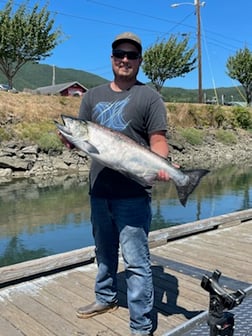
[131,55]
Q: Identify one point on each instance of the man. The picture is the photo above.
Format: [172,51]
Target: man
[120,207]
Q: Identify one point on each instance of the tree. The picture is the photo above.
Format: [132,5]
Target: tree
[240,68]
[25,36]
[168,59]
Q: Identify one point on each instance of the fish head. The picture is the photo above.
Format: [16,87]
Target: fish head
[76,131]
[73,128]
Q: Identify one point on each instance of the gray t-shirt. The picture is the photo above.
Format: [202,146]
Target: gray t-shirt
[137,113]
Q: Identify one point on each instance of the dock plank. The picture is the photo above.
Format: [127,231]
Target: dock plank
[42,314]
[7,329]
[46,306]
[64,302]
[18,322]
[199,251]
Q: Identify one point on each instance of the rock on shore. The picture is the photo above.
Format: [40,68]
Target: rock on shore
[214,154]
[19,160]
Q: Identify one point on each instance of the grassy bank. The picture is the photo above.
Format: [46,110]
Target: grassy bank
[30,118]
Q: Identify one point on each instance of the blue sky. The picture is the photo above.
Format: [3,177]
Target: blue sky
[90,26]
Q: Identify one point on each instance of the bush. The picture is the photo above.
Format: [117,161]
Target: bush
[43,134]
[50,142]
[192,135]
[4,135]
[32,131]
[243,117]
[225,137]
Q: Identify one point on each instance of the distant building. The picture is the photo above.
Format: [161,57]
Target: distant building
[74,89]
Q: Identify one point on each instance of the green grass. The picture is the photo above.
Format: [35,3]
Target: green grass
[192,135]
[225,137]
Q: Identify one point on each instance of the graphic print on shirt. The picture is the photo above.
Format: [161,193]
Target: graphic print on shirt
[111,114]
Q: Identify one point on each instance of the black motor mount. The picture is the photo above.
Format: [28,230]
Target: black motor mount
[220,320]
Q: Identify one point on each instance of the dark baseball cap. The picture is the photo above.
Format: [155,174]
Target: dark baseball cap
[130,38]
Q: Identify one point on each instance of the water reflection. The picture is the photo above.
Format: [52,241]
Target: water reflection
[41,219]
[222,191]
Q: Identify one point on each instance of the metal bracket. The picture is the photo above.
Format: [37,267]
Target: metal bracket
[220,321]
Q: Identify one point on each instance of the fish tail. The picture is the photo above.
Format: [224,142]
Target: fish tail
[195,176]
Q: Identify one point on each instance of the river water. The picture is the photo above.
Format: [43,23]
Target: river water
[50,217]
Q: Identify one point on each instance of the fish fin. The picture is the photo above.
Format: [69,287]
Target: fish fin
[85,146]
[90,148]
[195,176]
[150,179]
[145,182]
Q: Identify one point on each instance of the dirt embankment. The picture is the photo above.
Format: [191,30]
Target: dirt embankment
[213,154]
[23,117]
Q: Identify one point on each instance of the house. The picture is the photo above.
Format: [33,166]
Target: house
[65,89]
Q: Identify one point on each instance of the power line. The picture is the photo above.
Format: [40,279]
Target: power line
[125,10]
[160,19]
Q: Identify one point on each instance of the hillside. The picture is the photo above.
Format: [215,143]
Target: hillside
[33,75]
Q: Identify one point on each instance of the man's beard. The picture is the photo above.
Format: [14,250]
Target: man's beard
[127,78]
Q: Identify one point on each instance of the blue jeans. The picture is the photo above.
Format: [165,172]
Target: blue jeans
[125,222]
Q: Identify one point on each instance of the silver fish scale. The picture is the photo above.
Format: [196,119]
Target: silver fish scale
[125,154]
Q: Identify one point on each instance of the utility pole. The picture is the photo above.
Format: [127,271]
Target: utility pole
[197,4]
[53,76]
[200,93]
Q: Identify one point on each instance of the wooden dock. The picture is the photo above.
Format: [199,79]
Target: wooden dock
[40,297]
